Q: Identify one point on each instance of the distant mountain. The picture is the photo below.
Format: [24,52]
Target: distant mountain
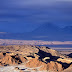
[47,29]
[52,32]
[49,32]
[53,29]
[67,29]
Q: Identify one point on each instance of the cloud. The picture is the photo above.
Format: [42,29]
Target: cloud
[8,19]
[36,11]
[24,3]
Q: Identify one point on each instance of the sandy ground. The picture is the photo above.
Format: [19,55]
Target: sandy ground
[22,67]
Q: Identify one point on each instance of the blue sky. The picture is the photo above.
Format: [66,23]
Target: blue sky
[26,15]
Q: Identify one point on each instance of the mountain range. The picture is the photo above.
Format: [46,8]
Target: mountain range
[53,29]
[47,28]
[44,32]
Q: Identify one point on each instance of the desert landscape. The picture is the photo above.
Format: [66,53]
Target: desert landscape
[35,35]
[33,42]
[30,58]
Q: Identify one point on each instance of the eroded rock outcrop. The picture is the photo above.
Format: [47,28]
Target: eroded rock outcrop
[6,59]
[40,57]
[52,66]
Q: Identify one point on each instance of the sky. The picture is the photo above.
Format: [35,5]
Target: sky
[18,16]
